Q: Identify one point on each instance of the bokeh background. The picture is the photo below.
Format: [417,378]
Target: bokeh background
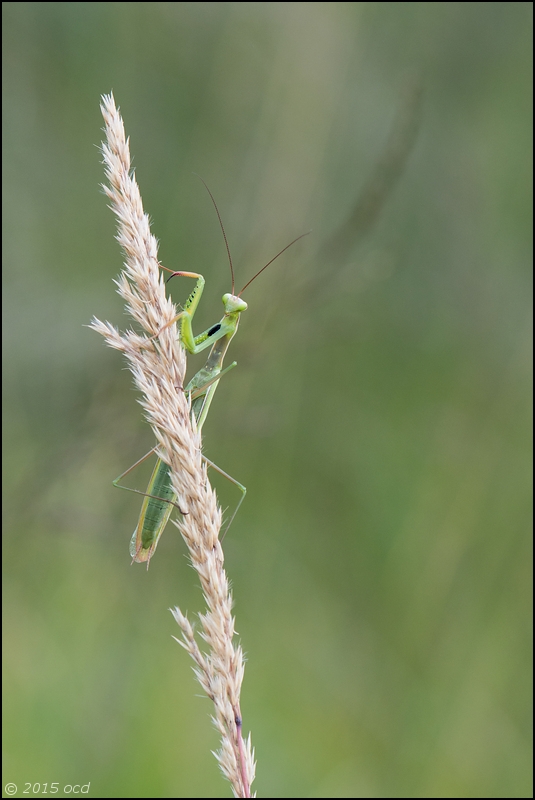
[379,415]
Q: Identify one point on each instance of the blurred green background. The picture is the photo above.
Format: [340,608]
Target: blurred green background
[379,416]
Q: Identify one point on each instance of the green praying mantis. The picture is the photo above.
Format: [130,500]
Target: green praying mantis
[160,498]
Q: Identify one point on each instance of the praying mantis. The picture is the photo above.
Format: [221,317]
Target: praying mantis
[160,498]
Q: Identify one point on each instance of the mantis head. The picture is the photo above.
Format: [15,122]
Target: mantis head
[233,303]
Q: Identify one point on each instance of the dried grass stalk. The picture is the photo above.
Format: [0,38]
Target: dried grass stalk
[159,366]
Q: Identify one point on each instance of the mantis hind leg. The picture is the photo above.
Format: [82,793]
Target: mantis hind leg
[138,491]
[240,486]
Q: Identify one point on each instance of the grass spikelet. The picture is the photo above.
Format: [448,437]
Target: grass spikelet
[158,365]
